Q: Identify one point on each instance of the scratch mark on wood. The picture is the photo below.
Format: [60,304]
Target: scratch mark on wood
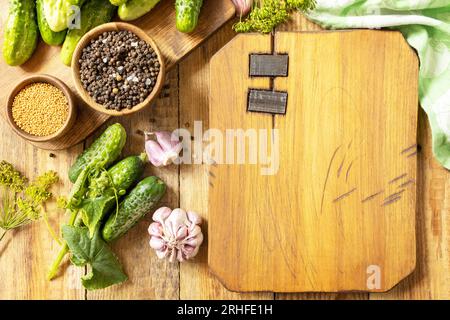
[350,144]
[340,167]
[391,201]
[398,178]
[410,148]
[372,196]
[394,195]
[211,174]
[345,195]
[211,185]
[327,176]
[347,174]
[412,154]
[407,183]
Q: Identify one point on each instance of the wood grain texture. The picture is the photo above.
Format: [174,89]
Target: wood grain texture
[196,282]
[26,253]
[299,23]
[159,23]
[431,279]
[357,115]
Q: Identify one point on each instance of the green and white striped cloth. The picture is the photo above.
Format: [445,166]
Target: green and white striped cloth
[426,26]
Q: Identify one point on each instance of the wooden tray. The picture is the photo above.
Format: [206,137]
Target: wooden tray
[339,215]
[159,24]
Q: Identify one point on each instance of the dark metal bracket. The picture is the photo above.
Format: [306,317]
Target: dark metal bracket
[268,101]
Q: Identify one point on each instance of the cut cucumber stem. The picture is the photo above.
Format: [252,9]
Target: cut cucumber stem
[55,266]
[62,253]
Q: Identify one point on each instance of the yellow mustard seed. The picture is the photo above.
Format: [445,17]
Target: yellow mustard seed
[40,109]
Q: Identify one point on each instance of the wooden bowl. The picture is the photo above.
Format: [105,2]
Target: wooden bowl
[95,33]
[58,84]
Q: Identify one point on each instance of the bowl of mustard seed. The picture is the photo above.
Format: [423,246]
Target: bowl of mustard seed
[41,108]
[117,69]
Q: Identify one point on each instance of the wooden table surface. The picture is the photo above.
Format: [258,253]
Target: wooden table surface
[25,254]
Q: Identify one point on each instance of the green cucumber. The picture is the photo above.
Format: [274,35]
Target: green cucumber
[48,35]
[126,172]
[107,187]
[102,153]
[21,32]
[93,14]
[135,206]
[187,12]
[134,9]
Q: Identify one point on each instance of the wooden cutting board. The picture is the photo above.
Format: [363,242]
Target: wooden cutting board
[159,24]
[339,214]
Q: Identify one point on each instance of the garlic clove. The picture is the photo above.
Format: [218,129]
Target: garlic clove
[155,153]
[168,141]
[157,243]
[161,215]
[194,218]
[243,7]
[161,254]
[164,150]
[182,233]
[155,229]
[176,219]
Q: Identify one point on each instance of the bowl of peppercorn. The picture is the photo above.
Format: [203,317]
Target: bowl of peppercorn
[118,69]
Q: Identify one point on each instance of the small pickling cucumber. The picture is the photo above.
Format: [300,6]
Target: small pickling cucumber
[135,206]
[105,190]
[187,12]
[48,35]
[102,153]
[134,9]
[93,14]
[127,172]
[21,32]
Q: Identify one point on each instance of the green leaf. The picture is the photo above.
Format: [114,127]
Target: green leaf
[105,268]
[93,211]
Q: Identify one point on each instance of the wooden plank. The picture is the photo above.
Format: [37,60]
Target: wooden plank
[268,65]
[159,24]
[26,253]
[267,101]
[431,279]
[149,277]
[196,282]
[299,23]
[340,114]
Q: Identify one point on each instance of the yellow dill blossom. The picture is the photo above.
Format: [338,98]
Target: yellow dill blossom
[268,14]
[20,203]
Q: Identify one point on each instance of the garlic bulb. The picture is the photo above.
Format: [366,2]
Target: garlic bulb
[175,235]
[164,149]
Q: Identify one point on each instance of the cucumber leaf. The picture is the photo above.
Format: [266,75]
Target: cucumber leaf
[93,211]
[94,252]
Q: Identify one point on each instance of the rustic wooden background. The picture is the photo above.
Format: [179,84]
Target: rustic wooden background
[25,255]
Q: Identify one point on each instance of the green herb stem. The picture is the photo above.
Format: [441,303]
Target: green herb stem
[55,266]
[3,235]
[62,253]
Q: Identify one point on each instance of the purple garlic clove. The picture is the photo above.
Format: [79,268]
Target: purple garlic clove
[243,7]
[164,149]
[175,234]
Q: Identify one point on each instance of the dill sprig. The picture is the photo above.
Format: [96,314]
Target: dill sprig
[22,203]
[268,14]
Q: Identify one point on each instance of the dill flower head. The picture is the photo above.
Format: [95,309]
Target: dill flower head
[20,203]
[268,14]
